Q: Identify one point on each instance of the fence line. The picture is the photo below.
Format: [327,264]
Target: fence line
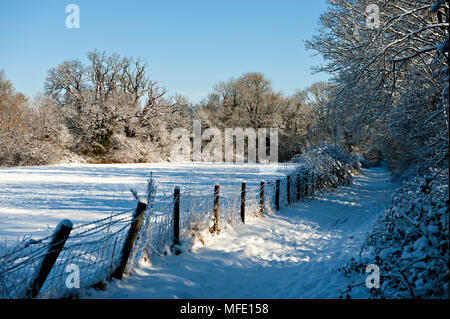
[107,248]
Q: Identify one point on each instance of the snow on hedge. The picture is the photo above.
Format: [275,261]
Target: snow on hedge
[409,243]
[331,166]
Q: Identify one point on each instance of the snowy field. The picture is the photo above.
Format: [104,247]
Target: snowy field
[33,200]
[290,254]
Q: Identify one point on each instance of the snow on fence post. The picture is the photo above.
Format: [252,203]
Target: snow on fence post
[243,202]
[130,239]
[289,189]
[176,216]
[216,208]
[60,235]
[277,194]
[298,186]
[261,198]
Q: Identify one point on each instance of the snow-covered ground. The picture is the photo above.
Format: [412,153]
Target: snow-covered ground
[33,200]
[288,254]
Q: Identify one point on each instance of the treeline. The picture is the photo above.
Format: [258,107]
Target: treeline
[109,110]
[387,98]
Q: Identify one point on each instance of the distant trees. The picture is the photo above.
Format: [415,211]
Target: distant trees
[389,83]
[48,122]
[27,134]
[295,127]
[14,119]
[109,110]
[13,107]
[250,102]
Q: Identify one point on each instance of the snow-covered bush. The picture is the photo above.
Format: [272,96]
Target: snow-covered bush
[131,150]
[25,150]
[409,243]
[328,166]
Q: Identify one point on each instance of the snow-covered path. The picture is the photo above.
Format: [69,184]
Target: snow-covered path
[288,254]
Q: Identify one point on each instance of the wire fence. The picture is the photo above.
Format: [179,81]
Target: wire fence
[94,248]
[93,251]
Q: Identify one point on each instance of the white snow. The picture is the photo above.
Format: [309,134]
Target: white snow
[33,200]
[288,254]
[64,223]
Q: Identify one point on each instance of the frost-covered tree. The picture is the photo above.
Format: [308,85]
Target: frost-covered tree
[109,96]
[248,101]
[388,79]
[30,132]
[295,129]
[48,122]
[14,123]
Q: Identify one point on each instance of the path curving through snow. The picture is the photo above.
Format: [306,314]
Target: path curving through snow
[287,254]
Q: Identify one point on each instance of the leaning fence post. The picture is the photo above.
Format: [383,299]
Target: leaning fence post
[216,208]
[277,194]
[176,216]
[243,202]
[261,198]
[59,238]
[289,189]
[129,241]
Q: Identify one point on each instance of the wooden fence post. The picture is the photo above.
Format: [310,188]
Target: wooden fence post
[313,187]
[277,194]
[306,186]
[261,198]
[176,216]
[243,202]
[348,174]
[289,189]
[298,187]
[216,208]
[129,241]
[59,238]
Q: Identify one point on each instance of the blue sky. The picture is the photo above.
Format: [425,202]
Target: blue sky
[189,45]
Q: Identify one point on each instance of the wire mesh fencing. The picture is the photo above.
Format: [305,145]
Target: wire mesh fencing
[92,248]
[93,251]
